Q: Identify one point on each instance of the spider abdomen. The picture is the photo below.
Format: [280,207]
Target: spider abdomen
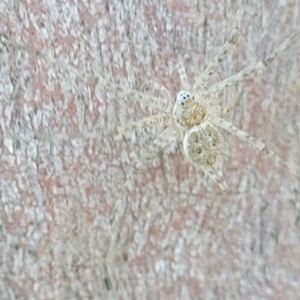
[202,145]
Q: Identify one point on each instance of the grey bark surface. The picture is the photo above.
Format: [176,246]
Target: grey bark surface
[181,237]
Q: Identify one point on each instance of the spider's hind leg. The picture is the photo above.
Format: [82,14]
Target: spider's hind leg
[254,142]
[216,175]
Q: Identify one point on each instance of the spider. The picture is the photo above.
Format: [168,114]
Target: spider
[199,120]
[194,115]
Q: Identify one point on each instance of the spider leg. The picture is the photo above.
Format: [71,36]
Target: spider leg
[238,132]
[164,92]
[216,110]
[250,139]
[98,134]
[168,135]
[183,77]
[216,175]
[130,94]
[102,83]
[218,88]
[161,89]
[146,122]
[204,78]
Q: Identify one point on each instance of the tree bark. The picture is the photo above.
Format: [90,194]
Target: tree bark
[179,236]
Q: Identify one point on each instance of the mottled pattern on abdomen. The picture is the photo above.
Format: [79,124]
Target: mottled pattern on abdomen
[202,145]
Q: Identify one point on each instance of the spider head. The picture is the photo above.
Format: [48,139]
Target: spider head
[184,99]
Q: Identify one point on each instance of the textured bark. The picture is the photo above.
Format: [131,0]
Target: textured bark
[180,238]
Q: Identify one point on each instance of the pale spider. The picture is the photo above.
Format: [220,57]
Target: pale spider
[197,118]
[193,115]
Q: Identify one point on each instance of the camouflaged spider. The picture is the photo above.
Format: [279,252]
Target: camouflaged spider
[194,115]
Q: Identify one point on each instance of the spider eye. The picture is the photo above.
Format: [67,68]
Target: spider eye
[182,97]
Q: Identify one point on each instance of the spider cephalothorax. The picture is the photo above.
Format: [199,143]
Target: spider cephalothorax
[187,111]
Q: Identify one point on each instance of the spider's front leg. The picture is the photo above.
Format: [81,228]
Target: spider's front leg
[204,78]
[168,135]
[183,77]
[218,88]
[102,83]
